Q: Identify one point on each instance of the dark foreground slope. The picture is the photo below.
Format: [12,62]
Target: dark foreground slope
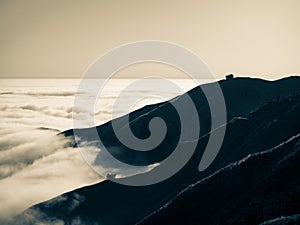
[261,115]
[257,188]
[284,220]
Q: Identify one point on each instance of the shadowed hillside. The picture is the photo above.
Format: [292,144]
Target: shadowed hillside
[260,116]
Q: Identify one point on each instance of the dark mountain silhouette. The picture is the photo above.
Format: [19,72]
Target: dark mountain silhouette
[260,116]
[249,191]
[284,220]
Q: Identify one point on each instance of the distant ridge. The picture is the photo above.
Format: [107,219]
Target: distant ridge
[260,114]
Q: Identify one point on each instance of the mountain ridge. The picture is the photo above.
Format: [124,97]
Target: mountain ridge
[245,99]
[295,139]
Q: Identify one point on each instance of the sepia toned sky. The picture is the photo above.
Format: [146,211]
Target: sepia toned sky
[61,38]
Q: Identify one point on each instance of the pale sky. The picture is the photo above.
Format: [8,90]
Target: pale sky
[57,38]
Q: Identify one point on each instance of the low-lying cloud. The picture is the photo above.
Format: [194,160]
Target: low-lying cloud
[36,164]
[37,169]
[102,162]
[34,93]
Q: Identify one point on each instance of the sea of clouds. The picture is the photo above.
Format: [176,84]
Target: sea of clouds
[36,164]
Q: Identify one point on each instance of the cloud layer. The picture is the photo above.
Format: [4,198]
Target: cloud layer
[38,169]
[35,163]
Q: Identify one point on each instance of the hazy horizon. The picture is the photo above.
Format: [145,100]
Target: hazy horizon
[51,39]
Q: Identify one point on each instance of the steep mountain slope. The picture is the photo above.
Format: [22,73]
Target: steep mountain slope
[261,114]
[241,95]
[284,220]
[258,187]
